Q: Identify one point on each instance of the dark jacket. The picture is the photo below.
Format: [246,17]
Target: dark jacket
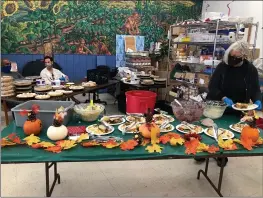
[220,87]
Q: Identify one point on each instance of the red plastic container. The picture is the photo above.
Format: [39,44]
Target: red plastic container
[138,101]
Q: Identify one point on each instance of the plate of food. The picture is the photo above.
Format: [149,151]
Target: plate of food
[224,133]
[113,120]
[160,118]
[42,97]
[99,129]
[167,128]
[55,93]
[67,91]
[89,84]
[76,88]
[26,95]
[244,106]
[135,118]
[238,126]
[129,127]
[189,129]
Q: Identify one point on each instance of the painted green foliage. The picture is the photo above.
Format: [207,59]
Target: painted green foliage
[84,26]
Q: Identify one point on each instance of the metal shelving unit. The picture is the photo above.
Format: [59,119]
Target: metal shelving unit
[212,25]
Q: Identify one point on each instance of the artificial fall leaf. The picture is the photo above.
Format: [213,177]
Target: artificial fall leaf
[128,145]
[145,142]
[168,136]
[66,144]
[175,141]
[32,139]
[202,147]
[35,108]
[191,146]
[54,149]
[36,146]
[164,139]
[213,149]
[154,148]
[110,144]
[6,142]
[14,138]
[237,141]
[227,145]
[46,144]
[90,144]
[83,136]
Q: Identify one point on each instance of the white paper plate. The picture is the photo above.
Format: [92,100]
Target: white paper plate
[167,130]
[128,118]
[224,138]
[89,131]
[250,107]
[171,119]
[120,127]
[178,126]
[123,120]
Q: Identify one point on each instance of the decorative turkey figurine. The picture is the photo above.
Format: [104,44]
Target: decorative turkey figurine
[32,125]
[149,130]
[58,131]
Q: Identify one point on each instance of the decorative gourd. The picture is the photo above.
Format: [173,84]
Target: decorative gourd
[57,131]
[149,127]
[32,125]
[250,132]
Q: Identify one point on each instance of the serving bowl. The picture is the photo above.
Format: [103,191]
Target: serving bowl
[214,109]
[190,111]
[89,113]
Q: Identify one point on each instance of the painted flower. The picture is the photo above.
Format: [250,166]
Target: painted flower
[56,9]
[30,4]
[44,4]
[10,8]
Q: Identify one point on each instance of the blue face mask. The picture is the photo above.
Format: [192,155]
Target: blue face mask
[6,68]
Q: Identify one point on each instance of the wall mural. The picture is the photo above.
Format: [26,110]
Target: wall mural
[84,26]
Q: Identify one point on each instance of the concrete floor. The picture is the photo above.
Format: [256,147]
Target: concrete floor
[242,177]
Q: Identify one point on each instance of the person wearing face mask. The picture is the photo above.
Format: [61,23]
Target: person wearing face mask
[50,74]
[234,80]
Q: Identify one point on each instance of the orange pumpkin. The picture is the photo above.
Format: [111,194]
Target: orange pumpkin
[145,130]
[249,132]
[32,127]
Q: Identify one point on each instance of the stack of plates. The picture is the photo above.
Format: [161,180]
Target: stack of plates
[7,86]
[33,79]
[160,81]
[23,86]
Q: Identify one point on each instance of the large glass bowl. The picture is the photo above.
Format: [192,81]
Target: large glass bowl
[88,113]
[214,109]
[190,111]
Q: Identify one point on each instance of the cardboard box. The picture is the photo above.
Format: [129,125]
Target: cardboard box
[256,54]
[203,80]
[177,31]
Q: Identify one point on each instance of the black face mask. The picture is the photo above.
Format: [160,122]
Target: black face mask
[232,60]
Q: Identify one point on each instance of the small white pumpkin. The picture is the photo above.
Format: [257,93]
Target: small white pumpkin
[57,133]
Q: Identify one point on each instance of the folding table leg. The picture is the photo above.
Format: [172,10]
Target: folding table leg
[56,177]
[218,188]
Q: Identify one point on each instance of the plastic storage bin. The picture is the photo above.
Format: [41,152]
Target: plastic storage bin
[46,112]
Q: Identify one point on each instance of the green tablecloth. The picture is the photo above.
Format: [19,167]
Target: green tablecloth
[25,154]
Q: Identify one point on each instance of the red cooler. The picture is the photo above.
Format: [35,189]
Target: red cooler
[138,101]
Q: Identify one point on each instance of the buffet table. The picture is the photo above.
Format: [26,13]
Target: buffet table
[15,100]
[25,154]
